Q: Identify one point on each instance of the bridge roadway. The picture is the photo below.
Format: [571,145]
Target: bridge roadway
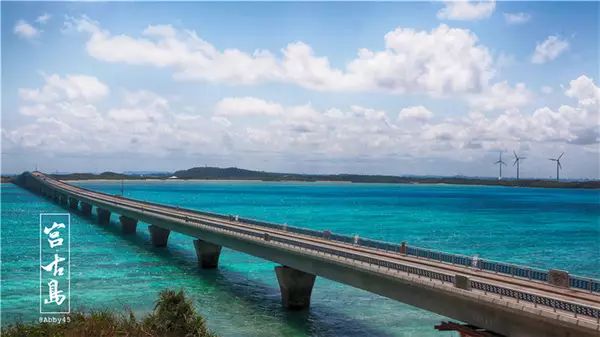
[506,305]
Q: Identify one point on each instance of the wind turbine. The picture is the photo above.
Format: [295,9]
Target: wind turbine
[558,166]
[500,163]
[517,162]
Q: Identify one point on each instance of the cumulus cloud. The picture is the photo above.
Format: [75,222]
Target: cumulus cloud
[441,61]
[466,10]
[25,30]
[501,96]
[71,87]
[153,125]
[549,49]
[415,113]
[65,116]
[247,106]
[516,18]
[584,89]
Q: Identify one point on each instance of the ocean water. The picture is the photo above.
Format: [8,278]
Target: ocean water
[547,228]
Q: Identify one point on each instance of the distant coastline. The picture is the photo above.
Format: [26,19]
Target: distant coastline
[237,174]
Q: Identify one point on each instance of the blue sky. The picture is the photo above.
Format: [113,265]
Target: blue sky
[392,88]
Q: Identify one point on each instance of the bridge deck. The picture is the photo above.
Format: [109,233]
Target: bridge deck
[537,298]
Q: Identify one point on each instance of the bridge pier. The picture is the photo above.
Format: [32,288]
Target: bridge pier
[159,236]
[86,208]
[207,253]
[103,215]
[296,287]
[73,203]
[128,225]
[62,199]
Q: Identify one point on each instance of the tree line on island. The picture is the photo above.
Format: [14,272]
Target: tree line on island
[234,173]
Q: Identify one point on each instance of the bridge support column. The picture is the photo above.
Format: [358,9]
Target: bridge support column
[62,199]
[73,203]
[86,208]
[103,215]
[296,287]
[128,225]
[159,236]
[208,254]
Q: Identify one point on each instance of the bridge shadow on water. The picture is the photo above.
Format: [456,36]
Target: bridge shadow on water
[256,296]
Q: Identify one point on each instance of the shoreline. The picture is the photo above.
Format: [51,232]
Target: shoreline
[590,185]
[224,180]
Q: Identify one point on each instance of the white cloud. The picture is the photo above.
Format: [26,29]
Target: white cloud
[64,119]
[25,30]
[416,113]
[467,10]
[153,125]
[550,49]
[246,106]
[547,89]
[501,96]
[71,87]
[148,124]
[516,18]
[584,89]
[43,19]
[441,61]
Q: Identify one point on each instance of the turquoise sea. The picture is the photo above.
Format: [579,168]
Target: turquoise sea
[547,228]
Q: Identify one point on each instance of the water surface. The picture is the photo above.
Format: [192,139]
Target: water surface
[548,228]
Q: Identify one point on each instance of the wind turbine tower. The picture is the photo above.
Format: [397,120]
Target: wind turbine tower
[517,162]
[558,165]
[500,163]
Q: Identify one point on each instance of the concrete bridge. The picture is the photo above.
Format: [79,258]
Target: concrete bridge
[509,300]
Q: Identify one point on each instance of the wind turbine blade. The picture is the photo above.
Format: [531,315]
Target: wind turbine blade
[515,163]
[552,159]
[559,165]
[515,154]
[560,155]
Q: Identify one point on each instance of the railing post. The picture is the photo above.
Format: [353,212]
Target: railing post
[559,278]
[403,248]
[462,282]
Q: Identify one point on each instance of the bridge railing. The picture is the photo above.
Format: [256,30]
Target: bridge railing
[525,272]
[556,304]
[514,270]
[574,308]
[580,282]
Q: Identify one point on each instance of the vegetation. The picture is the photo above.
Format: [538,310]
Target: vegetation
[103,175]
[236,173]
[173,316]
[233,173]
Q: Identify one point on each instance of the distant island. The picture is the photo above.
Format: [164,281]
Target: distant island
[233,173]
